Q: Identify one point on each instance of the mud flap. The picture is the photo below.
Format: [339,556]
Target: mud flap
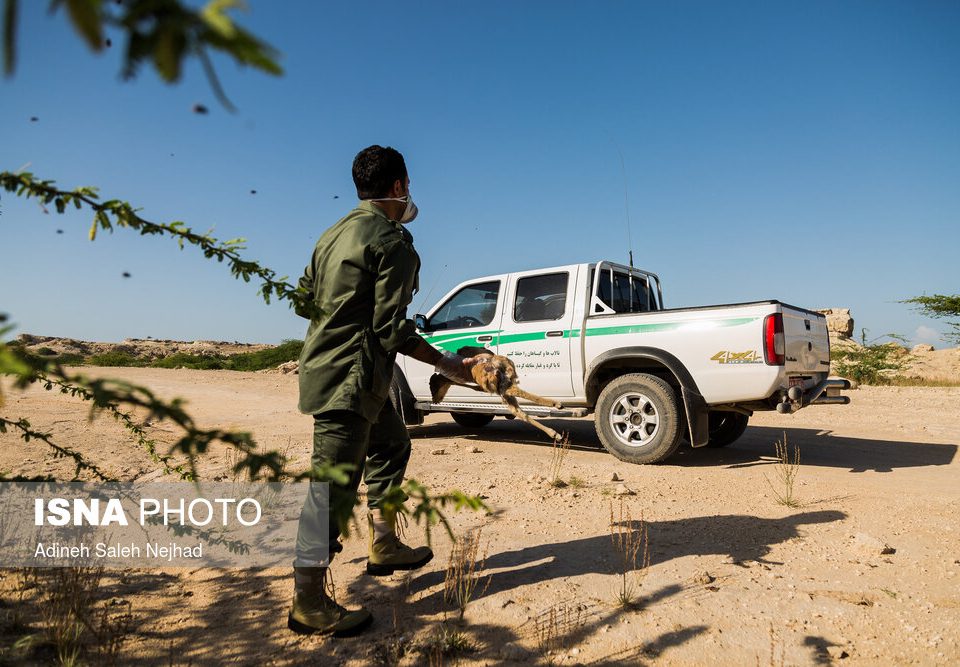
[697,417]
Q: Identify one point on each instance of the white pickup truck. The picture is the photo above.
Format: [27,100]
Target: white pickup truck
[597,338]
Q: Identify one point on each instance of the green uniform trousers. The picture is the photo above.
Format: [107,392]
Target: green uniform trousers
[379,453]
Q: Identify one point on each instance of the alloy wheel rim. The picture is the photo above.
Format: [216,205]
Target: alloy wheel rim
[634,419]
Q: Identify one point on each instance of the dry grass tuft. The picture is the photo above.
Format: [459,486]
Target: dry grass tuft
[632,544]
[553,626]
[447,642]
[77,628]
[787,467]
[463,578]
[557,456]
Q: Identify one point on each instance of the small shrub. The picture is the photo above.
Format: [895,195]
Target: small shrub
[288,350]
[115,358]
[197,361]
[870,363]
[447,641]
[71,359]
[47,352]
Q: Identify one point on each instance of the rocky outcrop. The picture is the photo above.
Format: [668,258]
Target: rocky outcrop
[147,349]
[289,367]
[839,322]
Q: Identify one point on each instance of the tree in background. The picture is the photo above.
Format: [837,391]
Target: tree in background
[940,306]
[163,31]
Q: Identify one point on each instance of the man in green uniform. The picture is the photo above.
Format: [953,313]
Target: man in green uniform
[362,276]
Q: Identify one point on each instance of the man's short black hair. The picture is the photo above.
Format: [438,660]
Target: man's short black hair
[376,169]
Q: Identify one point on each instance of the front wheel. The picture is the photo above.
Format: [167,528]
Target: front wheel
[638,418]
[471,419]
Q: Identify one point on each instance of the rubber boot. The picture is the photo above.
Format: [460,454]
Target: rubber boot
[314,610]
[387,553]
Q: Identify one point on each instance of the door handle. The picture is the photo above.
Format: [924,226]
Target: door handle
[484,339]
[554,334]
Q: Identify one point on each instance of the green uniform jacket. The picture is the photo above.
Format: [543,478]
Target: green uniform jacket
[363,275]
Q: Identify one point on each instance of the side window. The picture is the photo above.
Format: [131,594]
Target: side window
[473,306]
[541,297]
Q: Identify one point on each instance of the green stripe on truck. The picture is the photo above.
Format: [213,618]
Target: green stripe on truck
[454,341]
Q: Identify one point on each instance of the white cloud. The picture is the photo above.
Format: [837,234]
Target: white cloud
[925,334]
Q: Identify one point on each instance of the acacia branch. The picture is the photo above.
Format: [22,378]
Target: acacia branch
[125,419]
[115,213]
[27,434]
[110,394]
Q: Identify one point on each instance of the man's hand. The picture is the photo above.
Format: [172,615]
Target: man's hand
[449,365]
[454,367]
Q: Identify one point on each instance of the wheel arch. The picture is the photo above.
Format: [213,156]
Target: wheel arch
[652,360]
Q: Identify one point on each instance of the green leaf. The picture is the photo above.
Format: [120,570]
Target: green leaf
[88,21]
[214,15]
[168,53]
[251,50]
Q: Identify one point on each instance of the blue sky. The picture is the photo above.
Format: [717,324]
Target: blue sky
[803,151]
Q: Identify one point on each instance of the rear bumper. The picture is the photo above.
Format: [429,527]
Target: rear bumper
[825,392]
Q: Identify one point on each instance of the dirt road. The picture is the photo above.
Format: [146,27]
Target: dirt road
[734,577]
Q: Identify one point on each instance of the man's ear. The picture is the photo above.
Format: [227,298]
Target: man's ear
[397,189]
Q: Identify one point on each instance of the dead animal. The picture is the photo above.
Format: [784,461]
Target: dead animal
[496,374]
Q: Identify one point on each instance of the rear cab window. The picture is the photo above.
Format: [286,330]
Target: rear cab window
[625,293]
[541,298]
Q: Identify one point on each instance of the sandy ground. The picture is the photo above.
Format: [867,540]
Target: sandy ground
[734,577]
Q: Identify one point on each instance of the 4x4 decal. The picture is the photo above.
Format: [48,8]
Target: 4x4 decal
[728,357]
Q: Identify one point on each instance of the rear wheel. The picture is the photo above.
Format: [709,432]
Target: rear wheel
[471,419]
[637,418]
[726,427]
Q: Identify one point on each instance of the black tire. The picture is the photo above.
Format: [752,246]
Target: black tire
[403,402]
[471,419]
[726,427]
[638,418]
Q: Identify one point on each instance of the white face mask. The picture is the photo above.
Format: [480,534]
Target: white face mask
[409,213]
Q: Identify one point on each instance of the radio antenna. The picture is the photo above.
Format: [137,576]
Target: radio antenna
[626,201]
[430,291]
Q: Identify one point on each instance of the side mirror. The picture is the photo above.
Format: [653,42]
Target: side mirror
[421,322]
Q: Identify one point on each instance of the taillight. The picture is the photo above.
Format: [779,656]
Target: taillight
[773,345]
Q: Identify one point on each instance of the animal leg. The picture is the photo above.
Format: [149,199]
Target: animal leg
[512,405]
[439,385]
[539,400]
